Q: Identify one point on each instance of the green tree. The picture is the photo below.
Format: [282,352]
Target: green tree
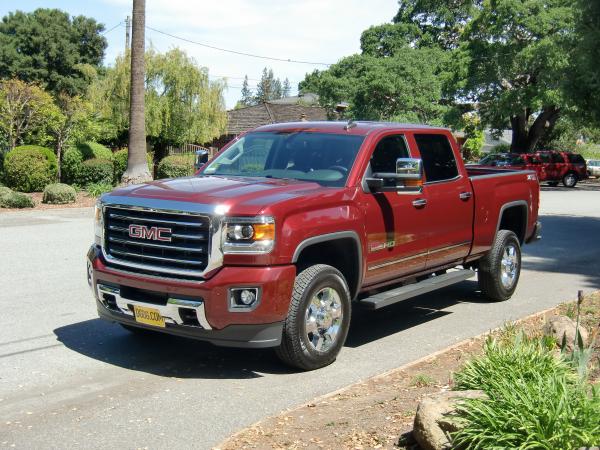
[48,47]
[182,104]
[73,124]
[286,89]
[25,110]
[247,98]
[584,88]
[406,87]
[268,88]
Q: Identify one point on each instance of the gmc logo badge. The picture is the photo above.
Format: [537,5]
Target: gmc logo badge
[151,233]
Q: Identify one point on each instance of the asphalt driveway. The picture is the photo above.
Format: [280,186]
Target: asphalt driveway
[69,380]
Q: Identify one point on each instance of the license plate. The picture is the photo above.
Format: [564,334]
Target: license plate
[148,316]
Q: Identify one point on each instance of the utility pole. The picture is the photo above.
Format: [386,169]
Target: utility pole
[127,33]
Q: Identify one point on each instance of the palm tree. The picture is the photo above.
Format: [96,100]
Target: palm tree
[137,167]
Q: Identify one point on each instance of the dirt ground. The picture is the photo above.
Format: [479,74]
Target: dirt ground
[373,414]
[83,201]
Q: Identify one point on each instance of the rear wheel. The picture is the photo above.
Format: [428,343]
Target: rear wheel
[570,180]
[318,318]
[499,270]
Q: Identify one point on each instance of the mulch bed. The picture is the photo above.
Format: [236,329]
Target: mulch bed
[83,201]
[374,413]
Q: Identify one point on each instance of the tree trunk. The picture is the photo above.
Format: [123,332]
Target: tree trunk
[524,140]
[137,168]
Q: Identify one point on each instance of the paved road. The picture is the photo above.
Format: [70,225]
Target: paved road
[68,380]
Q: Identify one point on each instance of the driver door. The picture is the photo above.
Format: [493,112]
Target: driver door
[395,225]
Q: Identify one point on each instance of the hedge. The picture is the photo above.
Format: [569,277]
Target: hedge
[95,171]
[74,157]
[59,194]
[175,166]
[10,199]
[30,168]
[120,163]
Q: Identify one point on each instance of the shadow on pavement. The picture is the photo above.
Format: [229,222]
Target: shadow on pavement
[587,185]
[570,244]
[165,355]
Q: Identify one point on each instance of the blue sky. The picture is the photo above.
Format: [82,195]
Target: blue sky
[308,30]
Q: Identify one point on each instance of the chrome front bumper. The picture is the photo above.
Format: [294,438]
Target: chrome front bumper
[108,294]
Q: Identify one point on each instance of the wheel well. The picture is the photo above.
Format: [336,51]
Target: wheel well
[343,254]
[514,219]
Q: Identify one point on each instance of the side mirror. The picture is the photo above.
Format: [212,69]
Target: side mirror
[201,158]
[408,177]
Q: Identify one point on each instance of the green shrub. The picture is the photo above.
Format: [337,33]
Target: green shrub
[16,200]
[120,163]
[93,150]
[4,191]
[74,157]
[95,171]
[30,168]
[59,194]
[97,189]
[501,148]
[536,400]
[175,166]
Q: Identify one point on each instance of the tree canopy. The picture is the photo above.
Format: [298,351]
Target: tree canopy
[49,47]
[182,105]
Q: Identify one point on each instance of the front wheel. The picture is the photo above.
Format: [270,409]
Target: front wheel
[499,270]
[318,318]
[570,180]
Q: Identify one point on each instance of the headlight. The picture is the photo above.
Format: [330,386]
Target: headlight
[98,223]
[248,234]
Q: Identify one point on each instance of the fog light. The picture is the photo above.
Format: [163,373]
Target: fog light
[247,297]
[243,299]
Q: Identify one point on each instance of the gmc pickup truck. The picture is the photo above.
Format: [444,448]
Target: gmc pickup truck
[290,226]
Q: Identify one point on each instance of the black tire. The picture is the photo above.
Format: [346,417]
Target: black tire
[491,267]
[553,183]
[570,179]
[296,348]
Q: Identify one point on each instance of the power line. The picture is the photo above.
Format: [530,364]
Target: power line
[108,31]
[251,55]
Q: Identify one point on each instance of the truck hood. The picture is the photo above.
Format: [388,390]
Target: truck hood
[238,194]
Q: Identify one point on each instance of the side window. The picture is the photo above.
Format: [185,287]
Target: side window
[575,158]
[438,158]
[557,158]
[544,157]
[388,150]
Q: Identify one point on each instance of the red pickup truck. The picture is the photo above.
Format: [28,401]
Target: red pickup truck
[291,225]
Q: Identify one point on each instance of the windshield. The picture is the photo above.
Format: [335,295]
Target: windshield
[320,157]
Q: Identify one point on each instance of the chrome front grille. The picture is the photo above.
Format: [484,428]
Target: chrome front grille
[153,241]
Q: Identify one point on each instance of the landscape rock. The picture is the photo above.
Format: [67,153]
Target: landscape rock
[560,326]
[434,420]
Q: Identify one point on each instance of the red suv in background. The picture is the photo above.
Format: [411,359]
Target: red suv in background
[551,167]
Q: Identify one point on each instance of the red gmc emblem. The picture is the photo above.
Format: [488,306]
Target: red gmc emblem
[151,233]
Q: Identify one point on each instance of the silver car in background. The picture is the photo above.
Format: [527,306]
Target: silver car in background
[593,167]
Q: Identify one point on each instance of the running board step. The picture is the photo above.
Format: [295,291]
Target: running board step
[412,290]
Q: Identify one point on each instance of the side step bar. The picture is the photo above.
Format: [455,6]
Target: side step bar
[412,290]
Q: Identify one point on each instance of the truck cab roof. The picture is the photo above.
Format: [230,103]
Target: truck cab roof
[358,127]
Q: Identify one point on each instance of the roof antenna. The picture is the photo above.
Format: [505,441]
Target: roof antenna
[351,124]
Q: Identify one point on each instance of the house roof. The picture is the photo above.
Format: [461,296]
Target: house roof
[250,117]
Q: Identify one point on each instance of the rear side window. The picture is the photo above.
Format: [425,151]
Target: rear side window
[438,158]
[557,158]
[574,158]
[544,157]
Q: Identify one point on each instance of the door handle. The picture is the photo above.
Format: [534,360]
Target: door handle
[465,195]
[419,203]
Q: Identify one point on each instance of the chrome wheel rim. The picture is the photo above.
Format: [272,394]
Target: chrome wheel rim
[570,180]
[509,266]
[323,319]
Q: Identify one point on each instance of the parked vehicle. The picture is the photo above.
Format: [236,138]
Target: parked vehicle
[551,166]
[292,225]
[593,167]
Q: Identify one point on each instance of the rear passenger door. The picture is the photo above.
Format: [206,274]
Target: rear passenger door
[449,201]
